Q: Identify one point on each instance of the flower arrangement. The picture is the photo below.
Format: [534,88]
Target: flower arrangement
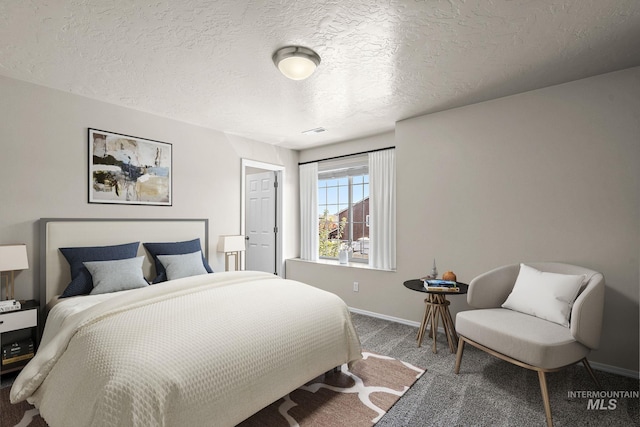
[345,247]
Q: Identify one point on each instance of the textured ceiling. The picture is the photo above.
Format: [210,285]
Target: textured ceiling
[209,62]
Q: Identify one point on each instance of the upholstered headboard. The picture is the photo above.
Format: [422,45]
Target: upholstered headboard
[73,232]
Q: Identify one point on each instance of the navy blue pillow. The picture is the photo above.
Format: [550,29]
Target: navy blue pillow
[81,282]
[173,248]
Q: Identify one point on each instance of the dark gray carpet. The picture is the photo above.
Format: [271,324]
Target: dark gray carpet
[488,391]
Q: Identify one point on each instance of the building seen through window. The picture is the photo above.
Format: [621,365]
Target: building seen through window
[343,208]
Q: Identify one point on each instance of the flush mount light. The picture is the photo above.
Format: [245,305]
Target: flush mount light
[296,62]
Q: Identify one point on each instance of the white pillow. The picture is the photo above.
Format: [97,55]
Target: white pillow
[184,265]
[548,296]
[116,275]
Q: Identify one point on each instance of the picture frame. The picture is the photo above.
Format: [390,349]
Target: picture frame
[129,170]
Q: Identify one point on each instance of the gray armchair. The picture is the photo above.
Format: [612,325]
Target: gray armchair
[529,341]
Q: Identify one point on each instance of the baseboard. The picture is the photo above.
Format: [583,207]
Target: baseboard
[595,365]
[385,317]
[615,370]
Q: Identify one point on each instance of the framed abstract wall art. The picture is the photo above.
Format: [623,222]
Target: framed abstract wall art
[129,170]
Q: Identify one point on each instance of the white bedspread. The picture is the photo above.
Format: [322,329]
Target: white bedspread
[65,307]
[204,350]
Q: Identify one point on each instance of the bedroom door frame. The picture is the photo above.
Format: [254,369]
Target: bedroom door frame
[279,171]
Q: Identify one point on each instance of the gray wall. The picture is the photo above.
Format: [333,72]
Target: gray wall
[43,169]
[552,174]
[546,175]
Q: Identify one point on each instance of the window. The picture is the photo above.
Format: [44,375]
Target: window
[343,208]
[350,202]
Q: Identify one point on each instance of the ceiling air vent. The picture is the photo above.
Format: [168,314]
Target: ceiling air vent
[314,131]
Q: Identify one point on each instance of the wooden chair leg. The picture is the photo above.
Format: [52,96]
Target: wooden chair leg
[459,355]
[586,364]
[545,398]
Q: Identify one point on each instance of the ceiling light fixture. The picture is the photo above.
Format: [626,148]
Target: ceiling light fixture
[296,62]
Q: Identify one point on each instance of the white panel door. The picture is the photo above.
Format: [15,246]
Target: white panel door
[261,222]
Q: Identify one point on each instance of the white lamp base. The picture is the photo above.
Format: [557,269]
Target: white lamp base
[236,255]
[9,286]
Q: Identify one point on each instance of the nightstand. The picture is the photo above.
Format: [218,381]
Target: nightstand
[17,326]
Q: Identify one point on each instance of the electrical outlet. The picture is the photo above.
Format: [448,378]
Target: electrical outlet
[355,287]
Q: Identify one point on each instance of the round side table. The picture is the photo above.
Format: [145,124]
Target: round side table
[437,307]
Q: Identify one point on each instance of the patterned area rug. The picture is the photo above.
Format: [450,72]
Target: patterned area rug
[356,397]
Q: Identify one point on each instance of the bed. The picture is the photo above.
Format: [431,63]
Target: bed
[210,349]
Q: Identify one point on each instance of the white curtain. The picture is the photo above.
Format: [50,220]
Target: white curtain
[382,209]
[309,211]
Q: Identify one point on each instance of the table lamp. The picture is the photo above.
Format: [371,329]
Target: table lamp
[231,245]
[12,258]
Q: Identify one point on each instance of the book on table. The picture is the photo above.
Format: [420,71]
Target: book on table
[9,305]
[19,358]
[17,351]
[441,285]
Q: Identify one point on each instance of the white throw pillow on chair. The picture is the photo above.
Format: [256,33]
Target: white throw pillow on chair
[548,296]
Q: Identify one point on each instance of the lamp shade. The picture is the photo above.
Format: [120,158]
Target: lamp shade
[13,257]
[231,244]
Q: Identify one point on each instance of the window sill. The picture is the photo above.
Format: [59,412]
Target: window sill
[336,263]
